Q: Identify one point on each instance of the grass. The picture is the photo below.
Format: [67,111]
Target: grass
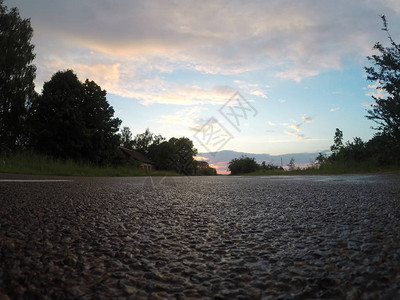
[27,163]
[332,169]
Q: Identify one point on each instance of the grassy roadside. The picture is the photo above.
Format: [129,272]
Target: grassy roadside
[351,168]
[23,163]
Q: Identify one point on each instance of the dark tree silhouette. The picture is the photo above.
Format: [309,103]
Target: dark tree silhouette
[161,154]
[174,154]
[16,76]
[73,120]
[337,142]
[126,137]
[243,165]
[57,121]
[184,152]
[100,125]
[143,141]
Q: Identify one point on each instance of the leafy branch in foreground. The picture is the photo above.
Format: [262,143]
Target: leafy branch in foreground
[386,73]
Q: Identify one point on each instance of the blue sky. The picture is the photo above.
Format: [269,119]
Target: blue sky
[175,67]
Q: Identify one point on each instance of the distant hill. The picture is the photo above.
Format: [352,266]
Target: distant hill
[221,158]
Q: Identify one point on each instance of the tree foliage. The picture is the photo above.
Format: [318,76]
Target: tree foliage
[386,73]
[243,165]
[161,154]
[74,120]
[184,152]
[126,138]
[143,141]
[100,126]
[384,147]
[376,152]
[355,151]
[176,154]
[337,141]
[16,75]
[269,167]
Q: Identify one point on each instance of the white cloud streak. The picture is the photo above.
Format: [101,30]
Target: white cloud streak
[294,129]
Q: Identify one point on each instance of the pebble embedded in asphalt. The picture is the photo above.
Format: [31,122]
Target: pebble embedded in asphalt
[201,237]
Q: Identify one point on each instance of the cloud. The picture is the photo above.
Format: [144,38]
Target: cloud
[183,95]
[298,73]
[200,124]
[306,119]
[290,140]
[297,135]
[288,132]
[147,40]
[334,109]
[187,116]
[259,94]
[107,75]
[295,127]
[250,88]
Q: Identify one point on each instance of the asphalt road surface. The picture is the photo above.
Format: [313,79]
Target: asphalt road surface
[200,237]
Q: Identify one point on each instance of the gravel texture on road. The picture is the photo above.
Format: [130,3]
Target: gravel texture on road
[307,237]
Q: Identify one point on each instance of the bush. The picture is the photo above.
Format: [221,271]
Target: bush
[243,165]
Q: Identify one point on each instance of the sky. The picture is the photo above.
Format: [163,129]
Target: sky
[264,76]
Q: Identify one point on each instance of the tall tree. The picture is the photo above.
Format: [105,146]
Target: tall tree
[184,152]
[100,125]
[57,123]
[337,142]
[16,75]
[176,154]
[143,141]
[162,154]
[74,120]
[126,137]
[386,73]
